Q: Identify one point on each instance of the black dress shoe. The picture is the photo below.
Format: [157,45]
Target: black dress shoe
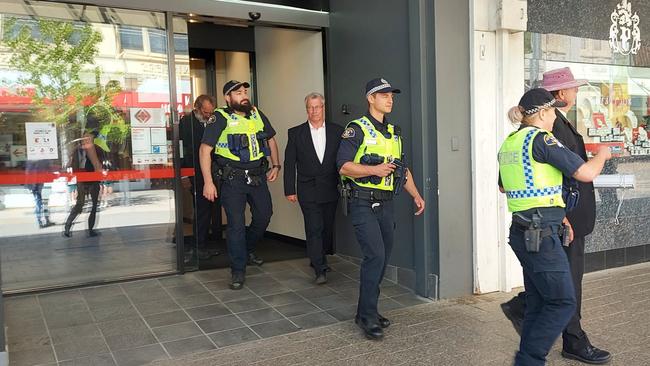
[254,259]
[588,354]
[371,330]
[383,322]
[237,282]
[67,233]
[321,279]
[92,233]
[513,315]
[205,254]
[214,252]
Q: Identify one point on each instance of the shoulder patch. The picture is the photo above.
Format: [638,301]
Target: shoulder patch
[348,133]
[550,140]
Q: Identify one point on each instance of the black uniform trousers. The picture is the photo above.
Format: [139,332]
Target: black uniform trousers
[550,296]
[374,227]
[573,337]
[206,214]
[319,231]
[84,188]
[240,239]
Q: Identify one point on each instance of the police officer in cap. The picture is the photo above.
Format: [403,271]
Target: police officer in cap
[580,219]
[242,137]
[532,163]
[371,164]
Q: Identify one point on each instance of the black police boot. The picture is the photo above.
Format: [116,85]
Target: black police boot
[372,330]
[254,260]
[383,322]
[588,354]
[237,282]
[513,310]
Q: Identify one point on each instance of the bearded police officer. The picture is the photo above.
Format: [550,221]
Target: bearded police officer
[242,137]
[371,164]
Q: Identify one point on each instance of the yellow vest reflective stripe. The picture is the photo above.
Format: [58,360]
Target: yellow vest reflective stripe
[374,142]
[236,124]
[528,183]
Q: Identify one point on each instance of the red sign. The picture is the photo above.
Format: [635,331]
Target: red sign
[617,148]
[143,116]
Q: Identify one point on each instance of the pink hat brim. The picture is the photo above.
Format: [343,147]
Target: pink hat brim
[567,85]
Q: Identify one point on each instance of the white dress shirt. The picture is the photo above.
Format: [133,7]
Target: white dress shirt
[318,137]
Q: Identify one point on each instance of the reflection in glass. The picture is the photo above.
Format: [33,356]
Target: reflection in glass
[613,109]
[85,145]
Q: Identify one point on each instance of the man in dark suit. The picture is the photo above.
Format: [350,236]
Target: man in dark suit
[311,152]
[207,215]
[581,220]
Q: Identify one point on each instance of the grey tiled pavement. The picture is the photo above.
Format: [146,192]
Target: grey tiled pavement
[137,322]
[298,324]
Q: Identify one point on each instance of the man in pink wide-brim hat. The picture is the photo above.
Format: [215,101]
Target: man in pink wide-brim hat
[579,222]
[560,79]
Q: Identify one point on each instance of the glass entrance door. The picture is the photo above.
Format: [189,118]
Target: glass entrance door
[204,222]
[86,163]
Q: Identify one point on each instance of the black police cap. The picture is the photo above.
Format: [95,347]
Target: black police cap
[535,99]
[234,85]
[380,85]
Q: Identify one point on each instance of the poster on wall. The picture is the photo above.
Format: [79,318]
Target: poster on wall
[41,141]
[149,145]
[147,117]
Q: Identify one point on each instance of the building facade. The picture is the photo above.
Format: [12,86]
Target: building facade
[139,65]
[514,43]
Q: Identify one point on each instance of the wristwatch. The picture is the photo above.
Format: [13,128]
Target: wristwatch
[277,166]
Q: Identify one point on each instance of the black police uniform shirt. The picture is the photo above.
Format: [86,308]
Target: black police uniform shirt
[352,139]
[213,132]
[548,150]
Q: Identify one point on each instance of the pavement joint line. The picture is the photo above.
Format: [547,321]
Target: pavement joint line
[47,329]
[188,315]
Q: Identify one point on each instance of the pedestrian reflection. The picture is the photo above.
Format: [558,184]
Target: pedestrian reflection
[87,157]
[41,210]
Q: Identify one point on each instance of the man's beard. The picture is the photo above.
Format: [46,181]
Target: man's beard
[200,116]
[245,108]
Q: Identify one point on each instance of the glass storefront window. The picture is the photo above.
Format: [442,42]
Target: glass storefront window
[131,38]
[614,110]
[157,41]
[86,163]
[181,45]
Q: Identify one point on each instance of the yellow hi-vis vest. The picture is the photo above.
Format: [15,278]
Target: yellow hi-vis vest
[528,184]
[375,143]
[236,124]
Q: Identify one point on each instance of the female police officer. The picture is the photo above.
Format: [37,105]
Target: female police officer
[531,168]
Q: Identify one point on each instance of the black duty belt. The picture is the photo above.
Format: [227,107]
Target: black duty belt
[253,177]
[522,225]
[228,171]
[372,195]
